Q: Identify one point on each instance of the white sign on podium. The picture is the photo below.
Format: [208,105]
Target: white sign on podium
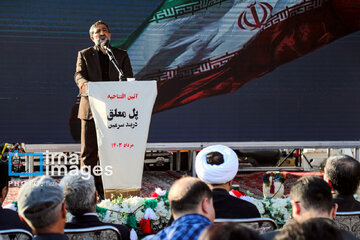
[122,113]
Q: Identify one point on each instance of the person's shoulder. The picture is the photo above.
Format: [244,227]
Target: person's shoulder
[242,201]
[347,203]
[347,235]
[9,214]
[233,207]
[85,50]
[8,211]
[120,50]
[221,196]
[269,235]
[71,225]
[10,219]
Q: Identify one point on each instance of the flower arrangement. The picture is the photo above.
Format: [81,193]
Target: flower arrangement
[278,209]
[143,215]
[136,214]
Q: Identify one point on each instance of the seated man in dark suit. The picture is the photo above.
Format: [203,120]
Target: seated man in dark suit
[311,199]
[217,166]
[9,219]
[343,175]
[80,198]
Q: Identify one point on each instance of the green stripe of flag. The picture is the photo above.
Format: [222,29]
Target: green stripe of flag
[168,9]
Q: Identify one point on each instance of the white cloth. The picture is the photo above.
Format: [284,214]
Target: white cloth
[133,235]
[217,174]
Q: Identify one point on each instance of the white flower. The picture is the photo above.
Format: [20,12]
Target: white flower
[150,214]
[266,203]
[116,208]
[114,217]
[160,192]
[69,216]
[162,211]
[139,215]
[287,215]
[277,208]
[129,205]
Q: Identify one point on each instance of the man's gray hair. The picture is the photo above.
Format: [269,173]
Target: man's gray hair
[79,192]
[46,219]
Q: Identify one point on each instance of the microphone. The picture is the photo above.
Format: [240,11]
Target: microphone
[107,49]
[104,43]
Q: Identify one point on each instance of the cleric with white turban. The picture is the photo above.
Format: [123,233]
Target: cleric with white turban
[213,173]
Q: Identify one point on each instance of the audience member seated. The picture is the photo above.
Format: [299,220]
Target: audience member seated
[311,199]
[81,199]
[343,175]
[9,219]
[217,166]
[312,229]
[229,231]
[191,205]
[41,205]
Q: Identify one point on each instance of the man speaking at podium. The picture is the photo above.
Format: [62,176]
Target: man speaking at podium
[93,64]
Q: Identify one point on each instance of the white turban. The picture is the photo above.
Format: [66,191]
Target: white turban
[217,174]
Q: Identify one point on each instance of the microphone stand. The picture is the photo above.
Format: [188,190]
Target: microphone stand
[113,60]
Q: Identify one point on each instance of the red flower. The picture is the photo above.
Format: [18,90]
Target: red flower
[145,226]
[154,195]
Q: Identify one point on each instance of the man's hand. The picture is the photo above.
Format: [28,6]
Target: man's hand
[84,89]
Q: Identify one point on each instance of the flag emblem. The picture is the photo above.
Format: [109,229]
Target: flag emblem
[254,16]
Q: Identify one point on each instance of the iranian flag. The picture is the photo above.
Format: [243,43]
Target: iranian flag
[196,49]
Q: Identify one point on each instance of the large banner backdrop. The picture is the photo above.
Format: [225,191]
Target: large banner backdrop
[226,70]
[197,49]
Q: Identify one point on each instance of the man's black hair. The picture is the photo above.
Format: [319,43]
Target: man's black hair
[344,173]
[214,158]
[312,193]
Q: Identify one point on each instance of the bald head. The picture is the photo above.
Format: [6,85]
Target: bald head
[187,194]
